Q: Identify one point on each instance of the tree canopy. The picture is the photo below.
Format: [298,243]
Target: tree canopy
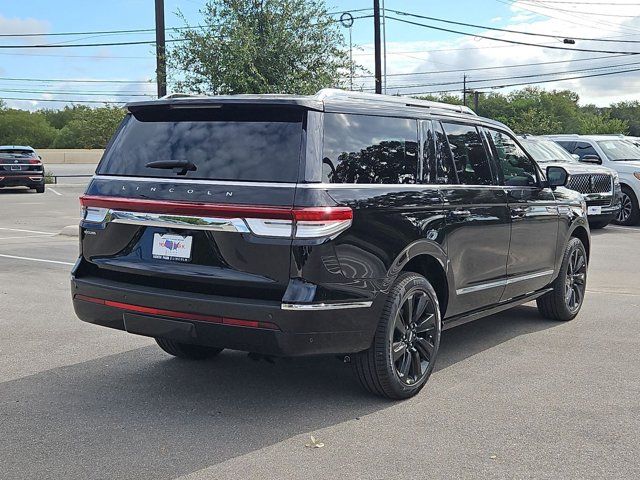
[260,46]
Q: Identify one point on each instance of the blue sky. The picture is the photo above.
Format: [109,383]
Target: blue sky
[410,48]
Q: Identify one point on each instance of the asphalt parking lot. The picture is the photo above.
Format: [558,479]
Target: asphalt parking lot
[513,395]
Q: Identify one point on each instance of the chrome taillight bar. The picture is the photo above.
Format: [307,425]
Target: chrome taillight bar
[282,222]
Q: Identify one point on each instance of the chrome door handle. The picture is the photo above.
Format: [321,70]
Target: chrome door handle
[460,213]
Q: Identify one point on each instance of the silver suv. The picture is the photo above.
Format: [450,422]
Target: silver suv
[618,153]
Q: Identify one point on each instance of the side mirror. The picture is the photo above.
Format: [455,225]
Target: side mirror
[39,157]
[591,159]
[556,176]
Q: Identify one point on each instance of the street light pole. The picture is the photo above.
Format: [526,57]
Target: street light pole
[161,50]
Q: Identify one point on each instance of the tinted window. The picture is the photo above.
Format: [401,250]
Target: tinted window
[366,149]
[469,154]
[584,148]
[224,144]
[443,162]
[566,145]
[514,166]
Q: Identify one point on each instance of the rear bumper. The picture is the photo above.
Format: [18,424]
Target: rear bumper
[276,331]
[32,180]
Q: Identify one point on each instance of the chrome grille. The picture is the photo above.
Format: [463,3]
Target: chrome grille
[585,183]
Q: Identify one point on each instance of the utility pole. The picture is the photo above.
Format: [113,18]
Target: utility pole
[464,90]
[384,48]
[476,100]
[376,41]
[161,50]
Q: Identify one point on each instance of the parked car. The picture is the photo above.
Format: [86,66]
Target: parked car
[617,153]
[21,166]
[600,186]
[340,223]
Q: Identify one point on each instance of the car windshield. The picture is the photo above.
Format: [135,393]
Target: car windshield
[546,151]
[620,150]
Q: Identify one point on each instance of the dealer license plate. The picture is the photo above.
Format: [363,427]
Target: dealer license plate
[594,210]
[169,246]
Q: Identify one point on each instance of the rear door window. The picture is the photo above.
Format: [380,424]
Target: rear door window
[515,168]
[469,154]
[226,143]
[369,149]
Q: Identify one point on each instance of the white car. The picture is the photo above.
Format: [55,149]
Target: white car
[618,153]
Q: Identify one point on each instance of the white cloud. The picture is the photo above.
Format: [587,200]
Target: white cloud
[24,25]
[473,52]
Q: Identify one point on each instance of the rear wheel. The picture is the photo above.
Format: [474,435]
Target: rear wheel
[405,345]
[565,301]
[187,350]
[629,213]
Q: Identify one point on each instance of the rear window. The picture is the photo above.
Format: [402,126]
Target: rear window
[14,152]
[225,143]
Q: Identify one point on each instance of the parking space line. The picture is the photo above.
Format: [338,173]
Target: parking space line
[54,191]
[26,231]
[15,257]
[40,235]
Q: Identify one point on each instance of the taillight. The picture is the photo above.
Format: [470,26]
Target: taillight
[283,222]
[35,162]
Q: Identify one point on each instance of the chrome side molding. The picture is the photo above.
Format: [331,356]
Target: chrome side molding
[324,306]
[500,283]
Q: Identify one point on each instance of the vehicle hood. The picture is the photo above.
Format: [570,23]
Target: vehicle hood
[628,167]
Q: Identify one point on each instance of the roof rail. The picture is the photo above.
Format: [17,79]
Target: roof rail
[334,93]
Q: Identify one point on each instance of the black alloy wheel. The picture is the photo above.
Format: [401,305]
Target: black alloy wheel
[405,345]
[412,341]
[626,208]
[565,299]
[576,279]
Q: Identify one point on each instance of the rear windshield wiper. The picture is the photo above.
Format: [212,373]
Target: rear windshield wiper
[180,166]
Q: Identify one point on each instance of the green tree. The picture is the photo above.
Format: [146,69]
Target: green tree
[260,46]
[19,127]
[628,112]
[59,118]
[594,123]
[89,128]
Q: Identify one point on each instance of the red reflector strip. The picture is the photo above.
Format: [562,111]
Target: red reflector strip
[217,210]
[181,315]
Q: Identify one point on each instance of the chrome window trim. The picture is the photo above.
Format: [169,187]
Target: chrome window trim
[502,283]
[324,306]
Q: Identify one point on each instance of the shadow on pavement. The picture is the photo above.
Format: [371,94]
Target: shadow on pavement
[141,414]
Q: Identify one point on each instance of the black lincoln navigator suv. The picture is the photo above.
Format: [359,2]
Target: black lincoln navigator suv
[340,223]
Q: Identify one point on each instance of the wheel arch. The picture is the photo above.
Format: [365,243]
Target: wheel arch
[428,259]
[582,234]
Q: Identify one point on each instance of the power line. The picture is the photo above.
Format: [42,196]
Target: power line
[556,9]
[497,67]
[435,19]
[535,75]
[515,42]
[74,80]
[63,92]
[60,100]
[110,44]
[536,82]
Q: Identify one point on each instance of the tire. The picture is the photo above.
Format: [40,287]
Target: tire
[39,189]
[404,349]
[187,350]
[598,224]
[629,213]
[565,301]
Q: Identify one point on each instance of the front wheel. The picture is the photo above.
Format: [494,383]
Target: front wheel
[187,350]
[39,189]
[629,213]
[405,345]
[598,224]
[565,300]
